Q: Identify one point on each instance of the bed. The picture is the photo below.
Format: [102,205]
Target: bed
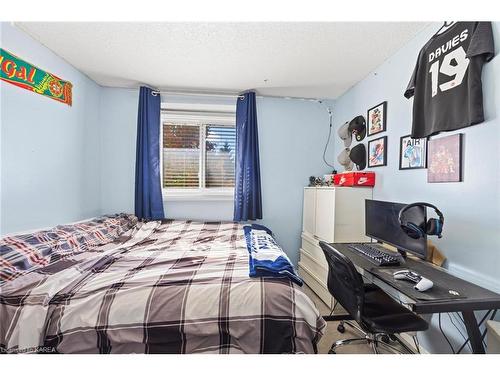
[157,287]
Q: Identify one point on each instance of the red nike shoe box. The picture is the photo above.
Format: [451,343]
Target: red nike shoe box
[354,179]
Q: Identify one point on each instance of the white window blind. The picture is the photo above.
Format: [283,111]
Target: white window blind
[181,156]
[220,146]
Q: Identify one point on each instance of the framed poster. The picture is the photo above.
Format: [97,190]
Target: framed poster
[377,152]
[445,159]
[377,119]
[412,153]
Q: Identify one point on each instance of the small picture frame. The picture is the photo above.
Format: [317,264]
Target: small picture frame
[412,153]
[444,157]
[377,152]
[376,118]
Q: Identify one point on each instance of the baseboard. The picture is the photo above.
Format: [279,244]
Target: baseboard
[409,341]
[473,277]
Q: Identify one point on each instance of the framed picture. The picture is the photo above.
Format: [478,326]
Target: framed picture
[376,118]
[377,152]
[412,153]
[445,159]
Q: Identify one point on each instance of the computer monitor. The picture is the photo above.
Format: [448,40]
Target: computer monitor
[382,224]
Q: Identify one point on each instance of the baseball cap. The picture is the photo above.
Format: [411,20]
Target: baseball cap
[344,160]
[345,134]
[358,156]
[358,126]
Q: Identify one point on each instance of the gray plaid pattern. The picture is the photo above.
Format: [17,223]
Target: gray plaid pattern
[171,287]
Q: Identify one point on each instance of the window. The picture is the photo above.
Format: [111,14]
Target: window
[198,155]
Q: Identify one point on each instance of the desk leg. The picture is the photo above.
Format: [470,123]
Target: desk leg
[473,332]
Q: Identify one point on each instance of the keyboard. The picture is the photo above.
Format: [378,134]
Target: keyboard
[375,255]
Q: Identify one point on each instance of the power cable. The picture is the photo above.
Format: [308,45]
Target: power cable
[330,115]
[444,335]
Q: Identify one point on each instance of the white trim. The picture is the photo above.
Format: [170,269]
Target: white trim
[198,195]
[203,158]
[198,107]
[407,338]
[198,119]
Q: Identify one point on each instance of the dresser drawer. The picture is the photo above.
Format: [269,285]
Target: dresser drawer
[311,245]
[319,269]
[315,285]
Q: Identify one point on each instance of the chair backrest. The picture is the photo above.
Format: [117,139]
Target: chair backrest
[344,282]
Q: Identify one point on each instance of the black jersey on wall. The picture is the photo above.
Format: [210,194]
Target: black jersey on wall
[446,81]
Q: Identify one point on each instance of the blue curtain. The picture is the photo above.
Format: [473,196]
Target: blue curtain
[148,197]
[247,191]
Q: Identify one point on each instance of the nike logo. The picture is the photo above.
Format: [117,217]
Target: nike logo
[362,180]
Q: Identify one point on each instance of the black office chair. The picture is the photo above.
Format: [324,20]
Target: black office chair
[378,315]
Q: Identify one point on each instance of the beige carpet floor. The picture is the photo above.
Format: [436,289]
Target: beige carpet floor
[332,335]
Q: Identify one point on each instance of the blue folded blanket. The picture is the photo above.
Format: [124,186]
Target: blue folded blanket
[266,256]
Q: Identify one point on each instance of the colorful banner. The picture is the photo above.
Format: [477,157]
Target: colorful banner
[21,73]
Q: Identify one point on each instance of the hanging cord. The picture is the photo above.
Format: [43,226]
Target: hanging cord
[330,115]
[444,335]
[450,316]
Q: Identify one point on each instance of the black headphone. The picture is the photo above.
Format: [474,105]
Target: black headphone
[433,227]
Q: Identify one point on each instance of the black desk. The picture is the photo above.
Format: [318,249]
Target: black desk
[474,297]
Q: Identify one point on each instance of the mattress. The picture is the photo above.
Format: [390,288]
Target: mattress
[163,287]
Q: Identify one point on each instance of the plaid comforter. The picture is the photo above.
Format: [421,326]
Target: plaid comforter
[176,287]
[22,253]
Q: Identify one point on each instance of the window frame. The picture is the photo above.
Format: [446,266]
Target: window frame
[199,119]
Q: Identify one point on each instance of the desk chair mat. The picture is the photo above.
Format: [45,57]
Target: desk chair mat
[437,292]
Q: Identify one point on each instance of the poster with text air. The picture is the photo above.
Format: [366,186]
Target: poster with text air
[21,73]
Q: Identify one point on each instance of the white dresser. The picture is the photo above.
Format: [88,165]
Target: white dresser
[330,214]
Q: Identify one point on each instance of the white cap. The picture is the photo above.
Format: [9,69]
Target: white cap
[345,134]
[345,160]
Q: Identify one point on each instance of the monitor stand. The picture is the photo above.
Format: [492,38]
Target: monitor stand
[403,253]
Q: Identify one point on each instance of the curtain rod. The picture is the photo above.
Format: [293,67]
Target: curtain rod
[187,93]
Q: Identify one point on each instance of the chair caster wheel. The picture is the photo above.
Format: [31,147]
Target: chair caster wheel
[385,339]
[341,328]
[393,337]
[331,351]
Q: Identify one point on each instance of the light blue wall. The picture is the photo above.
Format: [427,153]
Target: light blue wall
[118,138]
[49,151]
[471,240]
[292,134]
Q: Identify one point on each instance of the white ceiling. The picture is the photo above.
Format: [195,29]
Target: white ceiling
[319,60]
